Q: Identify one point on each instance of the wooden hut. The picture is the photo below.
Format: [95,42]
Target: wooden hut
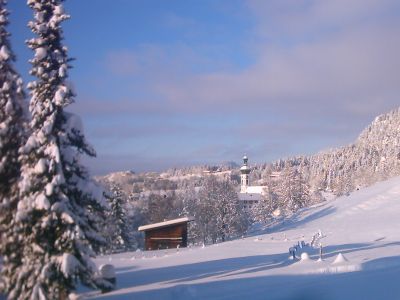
[167,234]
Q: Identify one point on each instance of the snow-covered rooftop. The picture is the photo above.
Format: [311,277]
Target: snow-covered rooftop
[255,189]
[165,223]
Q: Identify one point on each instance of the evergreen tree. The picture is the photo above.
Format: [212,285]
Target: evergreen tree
[58,200]
[118,227]
[12,134]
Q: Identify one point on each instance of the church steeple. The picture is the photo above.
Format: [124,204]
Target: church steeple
[244,176]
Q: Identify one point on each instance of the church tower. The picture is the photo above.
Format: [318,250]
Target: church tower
[244,175]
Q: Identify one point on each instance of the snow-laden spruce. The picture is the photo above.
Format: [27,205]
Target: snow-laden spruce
[58,205]
[118,230]
[12,128]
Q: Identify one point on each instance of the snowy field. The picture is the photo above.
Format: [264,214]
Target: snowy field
[364,227]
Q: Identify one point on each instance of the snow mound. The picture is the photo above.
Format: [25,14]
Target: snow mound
[305,257]
[107,271]
[340,265]
[340,259]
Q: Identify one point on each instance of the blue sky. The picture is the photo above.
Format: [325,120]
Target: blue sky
[165,84]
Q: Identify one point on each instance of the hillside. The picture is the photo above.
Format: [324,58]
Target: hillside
[363,227]
[373,157]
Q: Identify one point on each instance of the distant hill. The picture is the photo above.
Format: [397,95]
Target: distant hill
[140,185]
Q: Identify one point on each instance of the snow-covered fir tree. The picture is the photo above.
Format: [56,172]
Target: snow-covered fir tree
[118,228]
[12,135]
[58,199]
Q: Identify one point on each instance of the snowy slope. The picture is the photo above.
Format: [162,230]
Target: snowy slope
[364,227]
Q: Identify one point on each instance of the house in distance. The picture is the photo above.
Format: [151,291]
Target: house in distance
[167,234]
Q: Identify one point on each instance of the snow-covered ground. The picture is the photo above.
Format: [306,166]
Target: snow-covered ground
[364,227]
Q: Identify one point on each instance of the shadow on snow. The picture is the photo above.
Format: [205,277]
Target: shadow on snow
[372,283]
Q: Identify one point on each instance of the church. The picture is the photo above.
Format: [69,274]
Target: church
[249,195]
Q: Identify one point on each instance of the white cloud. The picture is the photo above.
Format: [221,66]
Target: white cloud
[355,70]
[323,67]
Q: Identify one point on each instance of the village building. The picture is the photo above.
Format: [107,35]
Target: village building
[249,195]
[167,234]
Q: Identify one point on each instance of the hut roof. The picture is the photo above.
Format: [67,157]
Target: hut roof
[165,223]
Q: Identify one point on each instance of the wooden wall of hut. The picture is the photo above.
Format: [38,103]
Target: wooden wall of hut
[166,237]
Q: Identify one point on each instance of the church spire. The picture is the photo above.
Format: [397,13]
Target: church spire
[244,176]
